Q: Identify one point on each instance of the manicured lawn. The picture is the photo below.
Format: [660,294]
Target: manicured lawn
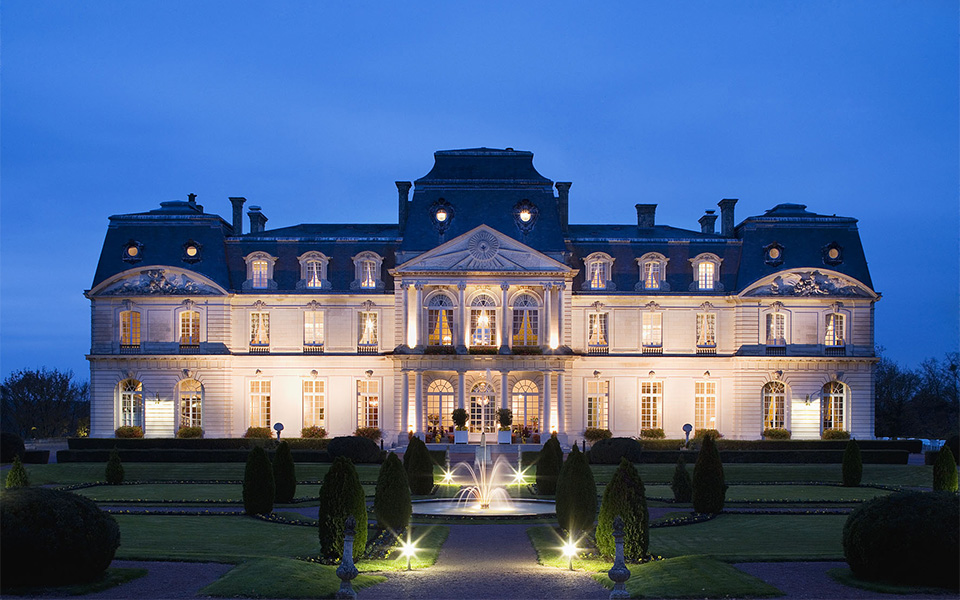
[427,538]
[548,544]
[65,473]
[185,492]
[744,538]
[692,577]
[111,578]
[802,493]
[283,578]
[905,475]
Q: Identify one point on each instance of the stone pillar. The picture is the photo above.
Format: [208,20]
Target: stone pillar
[545,420]
[504,393]
[418,403]
[561,410]
[405,405]
[619,573]
[347,570]
[504,320]
[547,325]
[560,309]
[418,314]
[405,316]
[461,389]
[462,334]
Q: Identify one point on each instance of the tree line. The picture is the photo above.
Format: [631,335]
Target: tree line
[921,402]
[44,404]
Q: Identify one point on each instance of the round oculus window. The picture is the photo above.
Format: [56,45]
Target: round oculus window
[132,251]
[833,253]
[773,253]
[192,250]
[525,215]
[441,215]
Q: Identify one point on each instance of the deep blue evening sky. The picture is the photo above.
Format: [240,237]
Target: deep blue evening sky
[313,109]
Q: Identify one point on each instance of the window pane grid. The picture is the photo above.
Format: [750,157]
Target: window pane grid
[706,329]
[260,329]
[190,403]
[440,327]
[526,404]
[834,330]
[651,395]
[776,330]
[834,395]
[597,334]
[259,403]
[598,401]
[705,401]
[368,403]
[774,404]
[705,274]
[368,328]
[314,274]
[313,327]
[313,403]
[482,408]
[652,329]
[651,275]
[130,328]
[258,269]
[131,403]
[189,328]
[440,403]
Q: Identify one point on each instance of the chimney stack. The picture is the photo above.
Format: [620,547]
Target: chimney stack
[237,214]
[708,223]
[727,223]
[403,190]
[646,214]
[257,220]
[563,202]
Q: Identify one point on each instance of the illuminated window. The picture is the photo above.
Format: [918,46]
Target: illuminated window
[597,331]
[131,403]
[599,268]
[833,398]
[259,271]
[776,329]
[653,267]
[189,328]
[259,328]
[705,273]
[651,397]
[313,271]
[130,329]
[526,315]
[314,274]
[440,402]
[834,330]
[440,321]
[706,268]
[191,393]
[774,403]
[652,329]
[525,401]
[368,403]
[260,276]
[598,403]
[706,330]
[367,265]
[483,407]
[368,272]
[314,395]
[483,321]
[368,339]
[313,328]
[259,403]
[705,405]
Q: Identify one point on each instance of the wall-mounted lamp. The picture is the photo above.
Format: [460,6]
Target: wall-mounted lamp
[369,373]
[596,374]
[156,398]
[314,373]
[807,400]
[652,374]
[706,373]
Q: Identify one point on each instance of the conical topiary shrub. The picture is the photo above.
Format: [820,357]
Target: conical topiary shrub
[548,466]
[284,474]
[852,465]
[419,467]
[391,505]
[625,496]
[709,488]
[340,495]
[17,476]
[258,486]
[681,485]
[114,471]
[944,471]
[576,494]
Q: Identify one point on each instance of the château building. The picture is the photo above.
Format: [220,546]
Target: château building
[482,294]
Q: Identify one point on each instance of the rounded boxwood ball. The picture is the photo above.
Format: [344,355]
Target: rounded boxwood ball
[50,537]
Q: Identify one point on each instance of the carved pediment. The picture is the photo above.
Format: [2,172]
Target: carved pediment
[158,282]
[482,249]
[809,283]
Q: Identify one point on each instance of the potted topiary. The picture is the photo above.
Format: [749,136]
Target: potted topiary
[460,434]
[505,416]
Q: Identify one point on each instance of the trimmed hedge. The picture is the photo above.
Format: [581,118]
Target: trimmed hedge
[113,474]
[284,475]
[340,495]
[11,445]
[776,433]
[682,485]
[259,488]
[625,496]
[129,432]
[709,488]
[835,434]
[358,449]
[391,504]
[945,471]
[189,433]
[259,433]
[910,538]
[576,494]
[419,467]
[548,467]
[852,466]
[36,457]
[611,451]
[876,457]
[51,537]
[17,475]
[183,456]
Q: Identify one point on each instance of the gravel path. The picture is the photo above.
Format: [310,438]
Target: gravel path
[486,561]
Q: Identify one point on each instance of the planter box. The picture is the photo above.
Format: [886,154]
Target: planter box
[461,437]
[504,437]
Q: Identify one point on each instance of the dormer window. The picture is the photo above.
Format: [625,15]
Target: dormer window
[706,272]
[773,254]
[653,268]
[599,268]
[525,215]
[260,271]
[191,252]
[260,277]
[832,254]
[367,267]
[313,271]
[132,252]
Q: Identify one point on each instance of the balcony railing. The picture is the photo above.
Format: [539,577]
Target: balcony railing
[189,348]
[706,350]
[776,350]
[259,348]
[835,351]
[653,350]
[129,348]
[598,349]
[368,348]
[313,348]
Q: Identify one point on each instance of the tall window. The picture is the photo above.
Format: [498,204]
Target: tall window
[440,402]
[368,403]
[834,330]
[598,404]
[368,274]
[652,329]
[314,394]
[483,321]
[526,403]
[368,339]
[259,403]
[313,328]
[130,328]
[834,395]
[191,394]
[651,397]
[260,328]
[483,408]
[776,329]
[525,321]
[653,268]
[440,321]
[598,275]
[314,273]
[131,403]
[706,330]
[774,405]
[259,270]
[705,275]
[597,331]
[651,275]
[599,267]
[189,328]
[705,405]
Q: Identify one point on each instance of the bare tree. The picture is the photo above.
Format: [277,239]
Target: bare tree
[43,403]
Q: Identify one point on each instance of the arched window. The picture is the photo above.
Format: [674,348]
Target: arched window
[653,269]
[129,330]
[440,404]
[526,321]
[833,399]
[191,402]
[189,328]
[526,404]
[259,268]
[483,321]
[259,271]
[599,271]
[131,403]
[774,405]
[313,271]
[706,271]
[367,269]
[483,408]
[440,321]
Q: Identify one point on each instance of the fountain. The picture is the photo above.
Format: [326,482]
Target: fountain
[483,490]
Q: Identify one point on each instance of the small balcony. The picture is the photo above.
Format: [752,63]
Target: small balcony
[368,348]
[313,348]
[776,350]
[598,349]
[835,351]
[706,350]
[129,348]
[259,348]
[653,350]
[189,348]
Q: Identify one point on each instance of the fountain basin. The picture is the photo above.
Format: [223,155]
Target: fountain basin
[516,507]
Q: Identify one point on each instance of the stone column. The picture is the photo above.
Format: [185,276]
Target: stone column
[404,404]
[504,395]
[560,288]
[418,403]
[561,411]
[461,389]
[545,420]
[405,316]
[462,332]
[417,314]
[504,321]
[547,325]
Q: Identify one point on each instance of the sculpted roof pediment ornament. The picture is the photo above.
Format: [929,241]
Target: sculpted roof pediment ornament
[158,282]
[810,283]
[483,249]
